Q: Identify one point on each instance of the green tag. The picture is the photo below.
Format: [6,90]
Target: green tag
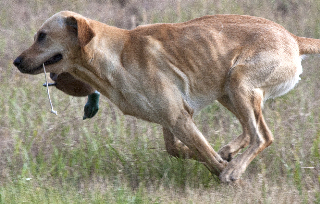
[92,105]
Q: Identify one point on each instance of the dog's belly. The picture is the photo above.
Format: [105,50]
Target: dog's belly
[200,101]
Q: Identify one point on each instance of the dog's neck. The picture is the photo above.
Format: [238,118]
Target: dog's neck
[101,65]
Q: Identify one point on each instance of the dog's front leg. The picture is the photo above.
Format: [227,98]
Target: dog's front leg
[229,151]
[176,148]
[187,132]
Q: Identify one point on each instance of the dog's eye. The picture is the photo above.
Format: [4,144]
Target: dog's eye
[41,37]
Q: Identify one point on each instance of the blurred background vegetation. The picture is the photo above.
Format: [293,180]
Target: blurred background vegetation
[114,158]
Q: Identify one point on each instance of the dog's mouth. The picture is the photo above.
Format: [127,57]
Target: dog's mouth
[53,59]
[56,58]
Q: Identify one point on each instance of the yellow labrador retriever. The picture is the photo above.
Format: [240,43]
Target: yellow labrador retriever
[164,73]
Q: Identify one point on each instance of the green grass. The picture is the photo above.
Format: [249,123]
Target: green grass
[118,159]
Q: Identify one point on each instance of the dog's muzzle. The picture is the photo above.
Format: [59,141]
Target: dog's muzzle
[18,62]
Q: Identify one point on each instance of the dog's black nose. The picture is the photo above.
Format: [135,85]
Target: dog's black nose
[17,62]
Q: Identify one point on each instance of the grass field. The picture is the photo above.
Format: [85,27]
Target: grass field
[114,158]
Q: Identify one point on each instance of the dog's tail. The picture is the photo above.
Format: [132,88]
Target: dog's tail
[308,45]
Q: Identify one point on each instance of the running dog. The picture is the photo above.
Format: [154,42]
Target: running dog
[164,73]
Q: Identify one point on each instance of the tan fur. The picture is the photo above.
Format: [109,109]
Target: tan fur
[163,73]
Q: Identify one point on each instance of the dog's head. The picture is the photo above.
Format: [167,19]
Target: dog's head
[57,44]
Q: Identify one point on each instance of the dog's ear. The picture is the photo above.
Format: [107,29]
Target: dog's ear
[81,28]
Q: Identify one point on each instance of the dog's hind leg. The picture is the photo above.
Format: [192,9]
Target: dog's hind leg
[247,103]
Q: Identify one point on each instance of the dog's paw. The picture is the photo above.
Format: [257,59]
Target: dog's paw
[231,174]
[225,153]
